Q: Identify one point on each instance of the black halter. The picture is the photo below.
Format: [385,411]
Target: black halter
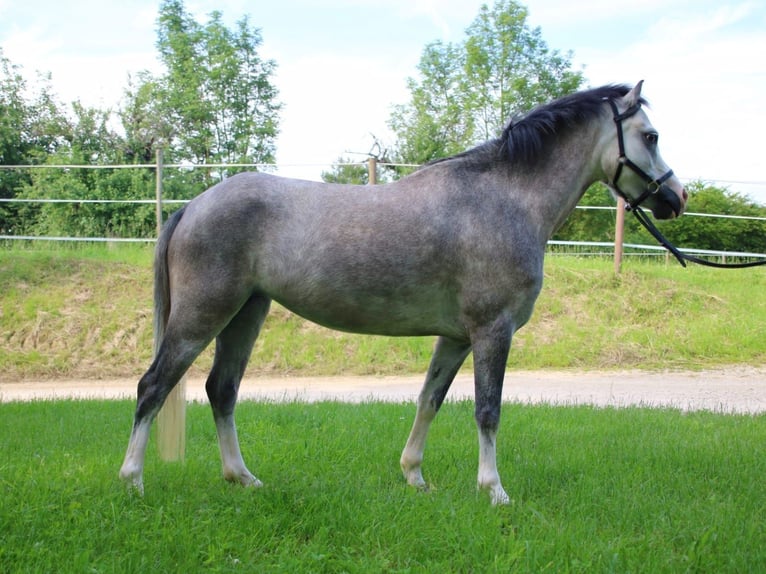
[652,187]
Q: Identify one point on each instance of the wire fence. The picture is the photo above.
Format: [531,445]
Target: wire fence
[597,248]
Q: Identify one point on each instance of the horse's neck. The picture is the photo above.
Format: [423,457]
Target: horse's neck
[572,168]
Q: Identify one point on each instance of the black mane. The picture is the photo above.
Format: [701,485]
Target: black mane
[526,136]
[525,139]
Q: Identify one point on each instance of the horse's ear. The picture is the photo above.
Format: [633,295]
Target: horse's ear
[634,96]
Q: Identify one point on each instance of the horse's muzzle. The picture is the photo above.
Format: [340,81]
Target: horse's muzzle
[666,203]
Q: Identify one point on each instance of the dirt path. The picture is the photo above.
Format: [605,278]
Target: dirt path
[735,389]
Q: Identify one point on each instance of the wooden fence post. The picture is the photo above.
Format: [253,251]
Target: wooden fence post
[372,170]
[158,190]
[619,232]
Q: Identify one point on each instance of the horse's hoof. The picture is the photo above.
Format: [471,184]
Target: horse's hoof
[254,483]
[414,478]
[498,497]
[245,479]
[135,485]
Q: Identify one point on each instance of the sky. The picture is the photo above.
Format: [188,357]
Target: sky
[343,64]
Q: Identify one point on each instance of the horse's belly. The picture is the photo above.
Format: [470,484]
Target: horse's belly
[390,317]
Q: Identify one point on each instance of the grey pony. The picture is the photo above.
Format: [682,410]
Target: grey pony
[454,250]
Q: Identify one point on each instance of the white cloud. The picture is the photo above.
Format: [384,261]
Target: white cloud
[555,13]
[332,105]
[450,17]
[707,90]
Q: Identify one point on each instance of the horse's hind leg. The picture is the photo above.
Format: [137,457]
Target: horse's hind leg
[445,363]
[173,359]
[233,348]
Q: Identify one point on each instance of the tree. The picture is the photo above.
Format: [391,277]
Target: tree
[143,119]
[434,124]
[214,104]
[509,67]
[87,140]
[32,126]
[15,146]
[467,92]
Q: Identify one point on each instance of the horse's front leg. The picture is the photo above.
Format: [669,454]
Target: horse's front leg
[445,363]
[490,348]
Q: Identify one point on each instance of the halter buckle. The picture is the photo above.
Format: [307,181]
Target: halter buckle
[653,187]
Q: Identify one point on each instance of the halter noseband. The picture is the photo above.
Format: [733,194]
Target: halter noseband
[652,185]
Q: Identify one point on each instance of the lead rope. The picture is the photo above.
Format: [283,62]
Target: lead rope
[680,255]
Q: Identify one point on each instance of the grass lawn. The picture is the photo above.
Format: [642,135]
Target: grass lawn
[595,490]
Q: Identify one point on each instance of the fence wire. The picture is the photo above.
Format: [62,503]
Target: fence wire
[575,247]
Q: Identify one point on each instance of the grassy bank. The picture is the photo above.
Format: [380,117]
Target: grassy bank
[631,490]
[85,312]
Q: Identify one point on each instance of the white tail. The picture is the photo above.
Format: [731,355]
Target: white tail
[171,424]
[171,420]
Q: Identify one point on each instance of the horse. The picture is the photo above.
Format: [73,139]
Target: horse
[454,250]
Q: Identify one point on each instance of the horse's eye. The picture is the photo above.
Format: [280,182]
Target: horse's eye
[651,138]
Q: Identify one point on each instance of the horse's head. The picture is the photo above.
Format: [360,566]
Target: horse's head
[634,167]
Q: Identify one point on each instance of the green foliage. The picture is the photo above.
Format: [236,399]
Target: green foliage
[144,119]
[347,171]
[467,92]
[89,141]
[15,147]
[31,127]
[434,124]
[717,233]
[690,231]
[508,67]
[32,124]
[89,219]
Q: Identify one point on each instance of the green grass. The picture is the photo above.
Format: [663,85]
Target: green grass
[85,312]
[595,490]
